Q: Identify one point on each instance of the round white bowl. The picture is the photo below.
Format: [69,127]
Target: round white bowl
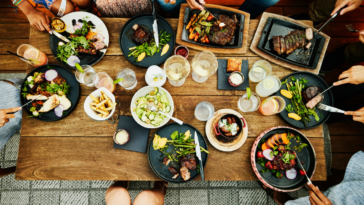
[142,92]
[90,112]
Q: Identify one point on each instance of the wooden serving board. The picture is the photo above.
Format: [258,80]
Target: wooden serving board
[243,49]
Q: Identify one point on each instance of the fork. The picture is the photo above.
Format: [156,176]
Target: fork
[330,109]
[154,109]
[351,29]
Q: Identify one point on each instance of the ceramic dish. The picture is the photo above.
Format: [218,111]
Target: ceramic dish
[90,112]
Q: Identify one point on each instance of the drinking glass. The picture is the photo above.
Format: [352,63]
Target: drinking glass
[272,105]
[204,111]
[177,69]
[249,105]
[35,57]
[268,86]
[102,79]
[129,77]
[260,70]
[204,65]
[87,76]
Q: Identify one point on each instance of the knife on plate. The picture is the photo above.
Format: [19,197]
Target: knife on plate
[155,26]
[299,162]
[60,36]
[198,154]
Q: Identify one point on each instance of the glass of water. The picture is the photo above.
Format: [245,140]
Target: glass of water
[249,105]
[87,76]
[260,70]
[268,86]
[204,111]
[129,77]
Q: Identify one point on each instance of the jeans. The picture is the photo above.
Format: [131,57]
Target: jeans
[11,100]
[256,7]
[350,190]
[171,9]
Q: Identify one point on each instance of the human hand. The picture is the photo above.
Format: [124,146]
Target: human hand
[351,5]
[5,116]
[317,197]
[195,5]
[357,115]
[355,75]
[361,36]
[39,20]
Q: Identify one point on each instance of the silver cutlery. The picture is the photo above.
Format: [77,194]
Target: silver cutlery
[60,36]
[154,109]
[27,103]
[330,108]
[155,26]
[198,154]
[328,21]
[299,162]
[351,28]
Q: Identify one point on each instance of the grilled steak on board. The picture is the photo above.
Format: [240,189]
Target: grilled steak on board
[222,32]
[289,43]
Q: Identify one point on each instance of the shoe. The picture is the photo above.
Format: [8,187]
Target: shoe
[306,17]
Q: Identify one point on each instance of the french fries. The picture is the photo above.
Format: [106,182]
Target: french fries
[102,105]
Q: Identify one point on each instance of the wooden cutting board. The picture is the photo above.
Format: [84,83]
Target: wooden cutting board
[243,49]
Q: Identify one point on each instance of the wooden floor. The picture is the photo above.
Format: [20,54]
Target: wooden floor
[346,138]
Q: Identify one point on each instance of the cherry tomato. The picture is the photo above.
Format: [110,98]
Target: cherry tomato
[302,172]
[260,154]
[269,165]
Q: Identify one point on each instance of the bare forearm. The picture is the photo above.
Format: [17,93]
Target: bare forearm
[26,7]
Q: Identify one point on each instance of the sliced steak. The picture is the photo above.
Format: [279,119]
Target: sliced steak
[185,173]
[174,172]
[277,44]
[283,45]
[189,161]
[223,35]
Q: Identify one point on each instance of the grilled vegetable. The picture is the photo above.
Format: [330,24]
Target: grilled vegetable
[202,13]
[190,23]
[208,30]
[204,17]
[210,17]
[207,40]
[204,23]
[193,33]
[277,140]
[196,38]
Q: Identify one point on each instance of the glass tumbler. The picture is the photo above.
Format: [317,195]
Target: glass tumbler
[129,81]
[35,57]
[204,65]
[87,76]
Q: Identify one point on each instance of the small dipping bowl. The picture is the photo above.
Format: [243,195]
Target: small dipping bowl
[234,79]
[119,135]
[180,49]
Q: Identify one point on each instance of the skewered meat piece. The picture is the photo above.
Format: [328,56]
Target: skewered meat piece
[141,35]
[185,173]
[309,34]
[310,92]
[222,32]
[174,172]
[189,161]
[166,161]
[59,80]
[314,101]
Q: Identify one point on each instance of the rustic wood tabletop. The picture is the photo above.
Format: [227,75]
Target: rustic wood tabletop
[78,148]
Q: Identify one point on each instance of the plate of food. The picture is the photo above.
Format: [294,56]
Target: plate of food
[157,97]
[55,89]
[88,35]
[291,43]
[171,153]
[297,90]
[274,159]
[100,105]
[220,28]
[137,41]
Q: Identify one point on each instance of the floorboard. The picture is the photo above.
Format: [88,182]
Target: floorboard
[347,144]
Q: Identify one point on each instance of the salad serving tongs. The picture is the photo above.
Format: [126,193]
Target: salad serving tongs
[154,109]
[330,108]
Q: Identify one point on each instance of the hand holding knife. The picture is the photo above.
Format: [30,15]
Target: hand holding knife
[198,154]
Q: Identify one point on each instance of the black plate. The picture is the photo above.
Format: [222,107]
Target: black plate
[307,155]
[238,36]
[155,157]
[146,21]
[84,58]
[73,94]
[328,100]
[223,76]
[301,57]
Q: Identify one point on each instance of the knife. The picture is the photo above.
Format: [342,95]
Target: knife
[330,108]
[198,154]
[60,36]
[155,26]
[26,104]
[299,162]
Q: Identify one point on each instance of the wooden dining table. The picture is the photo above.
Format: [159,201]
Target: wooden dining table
[78,148]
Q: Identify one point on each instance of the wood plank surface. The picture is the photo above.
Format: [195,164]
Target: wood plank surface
[340,160]
[350,144]
[11,45]
[70,158]
[12,63]
[7,15]
[78,124]
[243,49]
[19,30]
[341,129]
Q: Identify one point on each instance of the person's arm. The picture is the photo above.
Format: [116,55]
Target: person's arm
[37,19]
[361,36]
[317,197]
[352,5]
[355,75]
[5,116]
[195,5]
[357,115]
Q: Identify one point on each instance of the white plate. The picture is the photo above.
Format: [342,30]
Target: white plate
[143,92]
[100,27]
[90,112]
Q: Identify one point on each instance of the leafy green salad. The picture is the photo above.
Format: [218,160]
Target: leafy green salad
[157,98]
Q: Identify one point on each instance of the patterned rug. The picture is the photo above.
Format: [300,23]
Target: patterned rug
[14,192]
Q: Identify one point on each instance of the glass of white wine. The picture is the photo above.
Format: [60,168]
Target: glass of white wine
[177,69]
[204,65]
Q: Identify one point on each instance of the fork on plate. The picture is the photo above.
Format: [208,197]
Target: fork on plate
[154,109]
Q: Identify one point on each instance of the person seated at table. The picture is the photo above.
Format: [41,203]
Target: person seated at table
[9,103]
[117,194]
[40,20]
